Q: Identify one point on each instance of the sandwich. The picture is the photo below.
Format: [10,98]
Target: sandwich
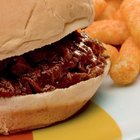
[48,68]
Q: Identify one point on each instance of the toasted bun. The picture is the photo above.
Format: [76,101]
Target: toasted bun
[28,25]
[34,111]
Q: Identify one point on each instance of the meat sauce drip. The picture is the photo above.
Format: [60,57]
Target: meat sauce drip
[71,60]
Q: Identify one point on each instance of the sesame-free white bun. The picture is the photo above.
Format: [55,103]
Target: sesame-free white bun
[34,111]
[26,25]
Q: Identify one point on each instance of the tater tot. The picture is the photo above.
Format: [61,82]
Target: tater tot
[131,13]
[112,7]
[126,67]
[118,15]
[109,31]
[99,7]
[112,52]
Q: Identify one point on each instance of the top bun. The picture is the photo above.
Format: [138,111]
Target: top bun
[26,25]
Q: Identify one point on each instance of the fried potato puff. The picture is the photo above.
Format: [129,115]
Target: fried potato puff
[126,67]
[109,31]
[131,13]
[112,52]
[99,7]
[118,15]
[112,7]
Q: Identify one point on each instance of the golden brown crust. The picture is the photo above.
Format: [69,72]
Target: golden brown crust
[39,110]
[27,25]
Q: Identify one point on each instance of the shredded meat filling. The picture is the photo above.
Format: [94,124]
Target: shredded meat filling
[62,64]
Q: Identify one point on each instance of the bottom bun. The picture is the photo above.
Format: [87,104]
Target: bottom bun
[39,110]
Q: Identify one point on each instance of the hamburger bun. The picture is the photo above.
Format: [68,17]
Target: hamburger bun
[35,111]
[28,25]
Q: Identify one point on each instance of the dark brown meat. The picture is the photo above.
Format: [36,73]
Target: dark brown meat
[71,60]
[20,66]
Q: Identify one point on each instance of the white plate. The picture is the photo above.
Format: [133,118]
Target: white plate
[123,104]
